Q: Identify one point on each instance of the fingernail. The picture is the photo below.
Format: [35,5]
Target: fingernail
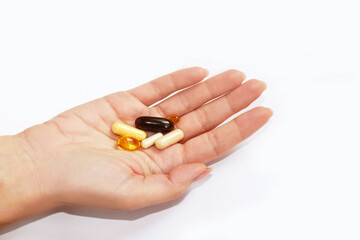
[203,174]
[271,112]
[264,85]
[206,72]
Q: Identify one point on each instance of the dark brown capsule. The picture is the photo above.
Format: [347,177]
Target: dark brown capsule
[154,124]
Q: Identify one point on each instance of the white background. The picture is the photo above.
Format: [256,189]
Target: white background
[297,178]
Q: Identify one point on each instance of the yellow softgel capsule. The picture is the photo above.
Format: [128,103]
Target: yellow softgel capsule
[123,129]
[174,118]
[128,143]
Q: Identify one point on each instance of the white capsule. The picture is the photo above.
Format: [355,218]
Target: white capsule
[148,142]
[169,139]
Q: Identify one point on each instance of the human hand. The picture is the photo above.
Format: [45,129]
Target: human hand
[73,159]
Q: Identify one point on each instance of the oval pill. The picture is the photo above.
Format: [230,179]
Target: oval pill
[148,142]
[174,118]
[154,124]
[128,143]
[123,129]
[169,139]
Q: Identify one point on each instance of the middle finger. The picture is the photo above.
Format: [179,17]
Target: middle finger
[193,97]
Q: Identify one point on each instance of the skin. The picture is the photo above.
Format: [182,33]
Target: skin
[72,159]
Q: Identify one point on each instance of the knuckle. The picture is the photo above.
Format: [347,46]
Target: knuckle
[213,141]
[202,118]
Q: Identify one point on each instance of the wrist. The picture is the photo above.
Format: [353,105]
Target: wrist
[20,185]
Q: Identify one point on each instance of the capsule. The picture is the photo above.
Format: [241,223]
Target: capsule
[126,130]
[154,124]
[169,139]
[174,118]
[148,142]
[128,143]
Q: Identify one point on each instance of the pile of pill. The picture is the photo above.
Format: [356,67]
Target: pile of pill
[131,138]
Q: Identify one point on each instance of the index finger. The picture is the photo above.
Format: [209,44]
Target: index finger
[157,89]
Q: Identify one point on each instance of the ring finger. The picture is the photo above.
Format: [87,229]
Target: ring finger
[210,115]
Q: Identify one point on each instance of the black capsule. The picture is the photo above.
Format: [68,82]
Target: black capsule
[154,124]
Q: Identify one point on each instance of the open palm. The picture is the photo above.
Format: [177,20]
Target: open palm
[76,158]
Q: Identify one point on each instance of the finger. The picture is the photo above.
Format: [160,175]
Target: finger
[158,188]
[154,91]
[215,143]
[209,116]
[190,99]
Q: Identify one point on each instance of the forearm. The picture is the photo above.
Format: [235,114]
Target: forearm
[20,192]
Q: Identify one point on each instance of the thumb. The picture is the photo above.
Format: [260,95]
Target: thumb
[159,188]
[188,173]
